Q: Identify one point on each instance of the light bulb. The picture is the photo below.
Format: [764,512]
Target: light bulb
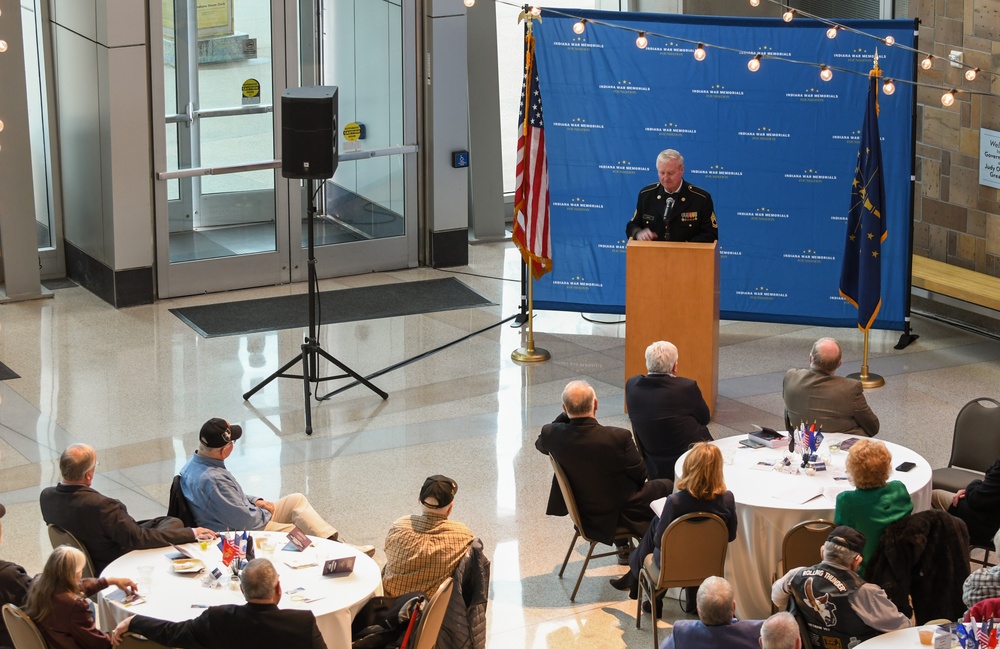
[888,87]
[970,75]
[948,98]
[788,15]
[469,3]
[3,46]
[754,3]
[832,32]
[754,64]
[579,27]
[699,53]
[890,41]
[1,125]
[825,73]
[536,11]
[641,41]
[927,63]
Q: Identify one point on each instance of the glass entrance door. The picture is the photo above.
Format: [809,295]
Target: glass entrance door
[367,217]
[221,204]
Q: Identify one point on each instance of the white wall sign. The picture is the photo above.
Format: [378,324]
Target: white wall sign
[989,158]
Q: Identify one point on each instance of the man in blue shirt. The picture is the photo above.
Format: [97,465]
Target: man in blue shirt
[217,501]
[715,627]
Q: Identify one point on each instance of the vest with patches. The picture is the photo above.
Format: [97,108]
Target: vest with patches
[821,596]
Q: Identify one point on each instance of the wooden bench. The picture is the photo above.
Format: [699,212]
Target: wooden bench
[956,282]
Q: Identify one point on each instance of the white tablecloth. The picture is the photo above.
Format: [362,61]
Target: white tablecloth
[902,639]
[767,507]
[337,598]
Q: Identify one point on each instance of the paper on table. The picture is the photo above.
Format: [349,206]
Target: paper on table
[300,562]
[125,599]
[832,491]
[657,505]
[798,496]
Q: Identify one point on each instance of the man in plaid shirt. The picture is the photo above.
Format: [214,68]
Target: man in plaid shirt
[983,583]
[424,549]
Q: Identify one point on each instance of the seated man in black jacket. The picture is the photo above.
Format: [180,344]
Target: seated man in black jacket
[604,468]
[103,524]
[978,505]
[668,412]
[258,623]
[14,583]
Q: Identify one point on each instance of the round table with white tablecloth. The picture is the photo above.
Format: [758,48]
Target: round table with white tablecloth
[334,600]
[902,639]
[771,502]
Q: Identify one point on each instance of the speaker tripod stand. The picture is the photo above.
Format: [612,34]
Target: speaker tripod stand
[311,349]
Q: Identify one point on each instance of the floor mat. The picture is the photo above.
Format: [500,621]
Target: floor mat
[345,305]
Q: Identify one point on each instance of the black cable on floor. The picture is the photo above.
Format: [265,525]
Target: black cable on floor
[415,358]
[617,322]
[462,272]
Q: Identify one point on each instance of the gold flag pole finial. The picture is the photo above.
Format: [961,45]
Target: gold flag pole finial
[528,14]
[876,71]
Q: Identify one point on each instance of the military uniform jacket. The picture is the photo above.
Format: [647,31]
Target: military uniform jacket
[691,217]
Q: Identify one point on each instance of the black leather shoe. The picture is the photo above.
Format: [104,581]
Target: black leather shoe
[625,582]
[659,607]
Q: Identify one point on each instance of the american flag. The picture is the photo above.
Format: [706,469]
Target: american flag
[531,196]
[983,633]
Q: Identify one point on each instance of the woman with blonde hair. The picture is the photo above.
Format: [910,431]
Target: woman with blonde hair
[56,602]
[875,502]
[701,488]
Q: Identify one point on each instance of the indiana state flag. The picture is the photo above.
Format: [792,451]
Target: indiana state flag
[861,274]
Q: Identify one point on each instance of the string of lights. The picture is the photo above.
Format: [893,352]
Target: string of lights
[754,64]
[970,74]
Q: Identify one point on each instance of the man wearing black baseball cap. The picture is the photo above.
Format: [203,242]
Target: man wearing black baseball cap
[424,549]
[217,500]
[840,608]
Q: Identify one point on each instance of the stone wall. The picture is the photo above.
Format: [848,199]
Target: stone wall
[957,220]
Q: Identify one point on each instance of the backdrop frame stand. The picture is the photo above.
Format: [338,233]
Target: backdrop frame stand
[522,314]
[311,348]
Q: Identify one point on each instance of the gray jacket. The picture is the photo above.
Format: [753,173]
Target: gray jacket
[464,625]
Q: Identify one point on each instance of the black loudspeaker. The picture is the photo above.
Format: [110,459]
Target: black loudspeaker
[309,132]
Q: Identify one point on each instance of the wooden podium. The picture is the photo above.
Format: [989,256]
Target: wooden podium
[672,293]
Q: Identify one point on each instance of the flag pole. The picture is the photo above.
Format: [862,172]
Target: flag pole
[529,353]
[869,380]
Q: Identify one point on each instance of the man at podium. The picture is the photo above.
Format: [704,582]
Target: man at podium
[673,209]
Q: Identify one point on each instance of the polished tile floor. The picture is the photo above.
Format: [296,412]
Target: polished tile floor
[137,384]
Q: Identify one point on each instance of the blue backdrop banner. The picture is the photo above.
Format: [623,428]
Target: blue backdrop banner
[776,148]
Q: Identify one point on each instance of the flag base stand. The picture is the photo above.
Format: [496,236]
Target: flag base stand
[868,381]
[530,355]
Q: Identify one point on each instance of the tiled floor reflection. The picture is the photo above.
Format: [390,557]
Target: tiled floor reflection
[138,383]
